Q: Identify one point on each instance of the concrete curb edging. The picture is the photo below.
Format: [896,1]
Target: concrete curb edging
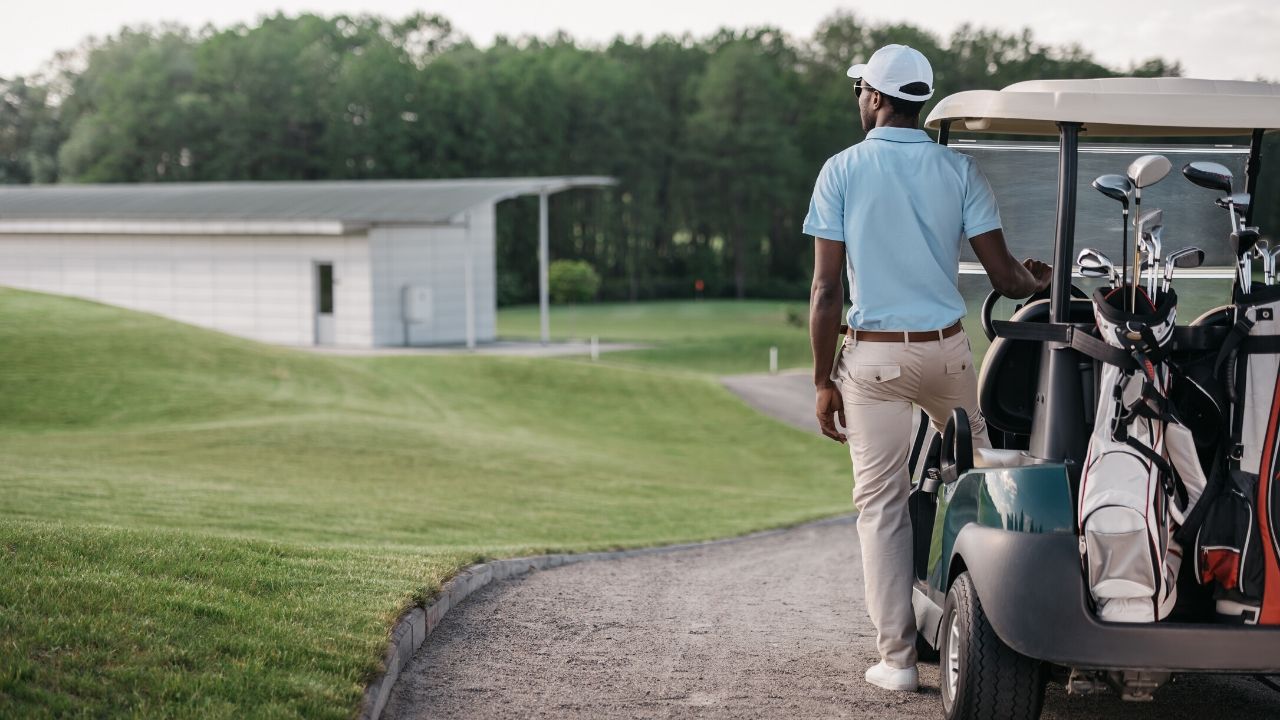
[412,629]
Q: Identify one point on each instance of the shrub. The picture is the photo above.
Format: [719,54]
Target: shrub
[572,281]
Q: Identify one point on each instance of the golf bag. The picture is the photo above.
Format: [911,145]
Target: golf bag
[1238,544]
[1141,473]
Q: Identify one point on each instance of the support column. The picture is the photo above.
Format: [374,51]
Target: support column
[544,311]
[468,281]
[1057,432]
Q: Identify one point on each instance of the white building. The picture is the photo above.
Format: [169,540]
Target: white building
[362,263]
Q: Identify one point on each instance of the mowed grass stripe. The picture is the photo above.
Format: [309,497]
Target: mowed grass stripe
[199,526]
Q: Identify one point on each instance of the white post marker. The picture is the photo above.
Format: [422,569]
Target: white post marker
[773,361]
[544,312]
[595,348]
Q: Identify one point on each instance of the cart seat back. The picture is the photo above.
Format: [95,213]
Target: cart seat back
[1011,371]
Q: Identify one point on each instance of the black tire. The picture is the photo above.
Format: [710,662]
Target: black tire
[992,681]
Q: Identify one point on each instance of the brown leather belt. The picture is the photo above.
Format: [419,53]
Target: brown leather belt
[903,336]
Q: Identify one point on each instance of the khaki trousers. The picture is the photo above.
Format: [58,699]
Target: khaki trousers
[879,382]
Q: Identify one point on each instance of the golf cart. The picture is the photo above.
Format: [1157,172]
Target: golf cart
[1000,594]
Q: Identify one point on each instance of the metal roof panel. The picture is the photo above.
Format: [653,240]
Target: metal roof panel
[358,202]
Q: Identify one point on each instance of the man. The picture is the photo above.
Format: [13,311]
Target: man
[891,212]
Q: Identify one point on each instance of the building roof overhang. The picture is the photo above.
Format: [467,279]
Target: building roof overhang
[262,208]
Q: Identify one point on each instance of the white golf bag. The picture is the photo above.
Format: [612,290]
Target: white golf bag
[1141,473]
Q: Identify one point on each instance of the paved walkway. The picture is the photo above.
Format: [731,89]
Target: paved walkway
[787,396]
[768,627]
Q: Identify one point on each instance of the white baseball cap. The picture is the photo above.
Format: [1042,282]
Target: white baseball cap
[892,68]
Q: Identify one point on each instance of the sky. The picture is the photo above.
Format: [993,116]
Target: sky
[1208,37]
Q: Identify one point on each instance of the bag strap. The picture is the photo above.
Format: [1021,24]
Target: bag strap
[1213,487]
[1076,337]
[1261,345]
[1232,342]
[1169,479]
[1231,346]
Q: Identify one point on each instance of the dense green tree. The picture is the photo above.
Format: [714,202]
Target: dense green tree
[744,146]
[127,117]
[29,133]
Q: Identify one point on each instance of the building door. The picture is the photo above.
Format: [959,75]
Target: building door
[324,303]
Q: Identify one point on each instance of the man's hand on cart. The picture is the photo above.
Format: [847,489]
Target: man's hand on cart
[1042,272]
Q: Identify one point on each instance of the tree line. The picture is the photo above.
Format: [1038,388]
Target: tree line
[716,140]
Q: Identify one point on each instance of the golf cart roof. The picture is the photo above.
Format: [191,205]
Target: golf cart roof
[1115,107]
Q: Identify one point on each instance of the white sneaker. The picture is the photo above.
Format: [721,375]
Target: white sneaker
[892,678]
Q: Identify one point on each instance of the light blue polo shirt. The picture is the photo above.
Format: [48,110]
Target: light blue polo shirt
[902,205]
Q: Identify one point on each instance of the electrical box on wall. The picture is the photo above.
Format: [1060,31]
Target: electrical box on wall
[418,305]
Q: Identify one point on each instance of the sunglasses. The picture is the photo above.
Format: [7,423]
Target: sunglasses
[859,86]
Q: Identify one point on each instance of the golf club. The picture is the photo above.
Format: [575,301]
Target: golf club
[1240,201]
[1144,251]
[1216,176]
[1262,251]
[1242,244]
[1144,172]
[1150,259]
[1155,249]
[1118,187]
[1093,264]
[1271,257]
[1144,244]
[1188,257]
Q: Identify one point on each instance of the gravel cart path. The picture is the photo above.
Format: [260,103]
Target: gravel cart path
[768,627]
[787,396]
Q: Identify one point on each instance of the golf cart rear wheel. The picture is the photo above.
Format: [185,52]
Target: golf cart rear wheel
[981,676]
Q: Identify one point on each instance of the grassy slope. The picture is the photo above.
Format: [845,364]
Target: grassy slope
[195,525]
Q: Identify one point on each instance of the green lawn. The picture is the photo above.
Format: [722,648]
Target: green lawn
[715,336]
[193,525]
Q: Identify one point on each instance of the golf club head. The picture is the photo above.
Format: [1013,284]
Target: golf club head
[1212,175]
[1262,248]
[1240,201]
[1186,258]
[1116,187]
[1093,264]
[1242,242]
[1148,220]
[1092,256]
[1157,241]
[1149,170]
